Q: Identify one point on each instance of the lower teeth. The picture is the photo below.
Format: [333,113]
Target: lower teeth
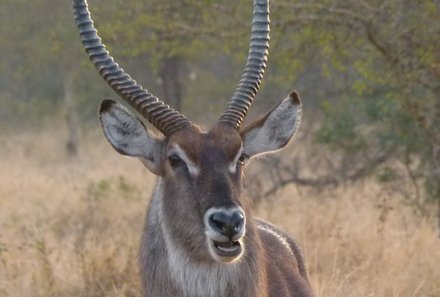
[228,249]
[227,246]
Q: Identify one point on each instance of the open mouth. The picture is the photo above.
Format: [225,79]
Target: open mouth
[227,249]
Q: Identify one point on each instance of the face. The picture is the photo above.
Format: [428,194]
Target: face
[200,174]
[202,193]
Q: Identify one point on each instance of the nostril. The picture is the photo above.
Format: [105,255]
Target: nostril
[237,219]
[218,221]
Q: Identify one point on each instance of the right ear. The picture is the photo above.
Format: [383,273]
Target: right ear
[128,135]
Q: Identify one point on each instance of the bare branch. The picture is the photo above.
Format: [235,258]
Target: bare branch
[328,180]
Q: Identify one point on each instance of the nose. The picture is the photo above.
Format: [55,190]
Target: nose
[228,223]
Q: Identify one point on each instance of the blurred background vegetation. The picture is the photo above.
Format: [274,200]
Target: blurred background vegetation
[359,187]
[368,72]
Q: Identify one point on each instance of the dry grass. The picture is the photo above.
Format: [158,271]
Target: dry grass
[71,227]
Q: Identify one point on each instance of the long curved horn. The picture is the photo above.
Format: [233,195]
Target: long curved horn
[164,118]
[255,66]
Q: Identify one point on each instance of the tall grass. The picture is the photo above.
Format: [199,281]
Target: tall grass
[71,227]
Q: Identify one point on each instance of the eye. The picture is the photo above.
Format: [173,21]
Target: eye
[175,161]
[242,160]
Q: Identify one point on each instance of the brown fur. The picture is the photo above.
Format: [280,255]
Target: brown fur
[271,265]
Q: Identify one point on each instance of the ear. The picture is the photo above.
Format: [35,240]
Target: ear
[274,130]
[128,135]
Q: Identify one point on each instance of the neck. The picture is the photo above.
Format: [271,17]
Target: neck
[189,275]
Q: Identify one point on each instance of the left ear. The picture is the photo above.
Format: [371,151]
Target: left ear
[274,130]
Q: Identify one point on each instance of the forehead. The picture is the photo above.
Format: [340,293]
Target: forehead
[219,142]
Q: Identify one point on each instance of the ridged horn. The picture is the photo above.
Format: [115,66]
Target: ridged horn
[252,75]
[160,115]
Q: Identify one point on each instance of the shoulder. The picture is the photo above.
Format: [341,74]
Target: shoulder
[267,229]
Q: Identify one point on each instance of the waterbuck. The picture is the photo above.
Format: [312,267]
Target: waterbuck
[200,237]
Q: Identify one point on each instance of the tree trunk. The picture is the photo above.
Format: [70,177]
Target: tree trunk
[72,144]
[169,72]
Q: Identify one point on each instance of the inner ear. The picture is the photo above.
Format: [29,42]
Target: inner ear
[275,129]
[128,135]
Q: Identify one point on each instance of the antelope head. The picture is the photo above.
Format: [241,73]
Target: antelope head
[200,172]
